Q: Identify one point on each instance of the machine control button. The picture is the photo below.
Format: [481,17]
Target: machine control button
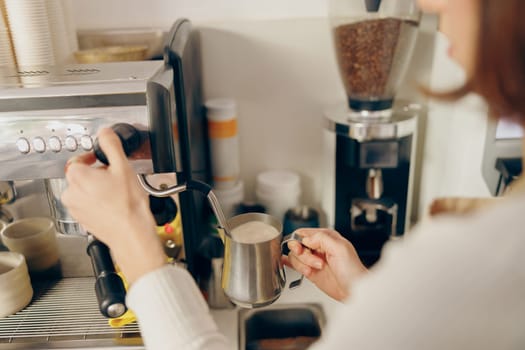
[86,142]
[71,144]
[55,144]
[39,144]
[23,145]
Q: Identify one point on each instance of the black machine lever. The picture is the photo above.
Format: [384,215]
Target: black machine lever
[109,287]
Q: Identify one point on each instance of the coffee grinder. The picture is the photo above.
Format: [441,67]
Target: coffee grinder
[370,140]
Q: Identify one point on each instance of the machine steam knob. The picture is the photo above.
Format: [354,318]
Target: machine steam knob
[130,137]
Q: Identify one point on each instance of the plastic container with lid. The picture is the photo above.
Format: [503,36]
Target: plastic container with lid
[224,142]
[278,191]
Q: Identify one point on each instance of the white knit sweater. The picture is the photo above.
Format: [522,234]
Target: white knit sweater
[453,283]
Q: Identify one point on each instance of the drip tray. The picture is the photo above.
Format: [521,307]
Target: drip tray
[64,314]
[283,327]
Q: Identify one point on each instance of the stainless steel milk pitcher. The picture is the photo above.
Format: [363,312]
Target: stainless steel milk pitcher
[253,274]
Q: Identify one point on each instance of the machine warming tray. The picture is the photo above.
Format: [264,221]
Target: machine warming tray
[64,315]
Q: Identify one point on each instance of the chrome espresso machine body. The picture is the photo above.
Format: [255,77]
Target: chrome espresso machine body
[50,114]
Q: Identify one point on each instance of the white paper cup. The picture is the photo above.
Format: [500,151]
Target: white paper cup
[36,239]
[16,291]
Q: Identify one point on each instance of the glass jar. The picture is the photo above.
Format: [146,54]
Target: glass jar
[374,41]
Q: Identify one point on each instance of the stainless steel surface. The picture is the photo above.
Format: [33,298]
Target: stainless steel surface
[374,183]
[397,123]
[116,310]
[217,299]
[63,220]
[280,321]
[74,261]
[66,81]
[253,275]
[294,237]
[69,126]
[51,114]
[64,314]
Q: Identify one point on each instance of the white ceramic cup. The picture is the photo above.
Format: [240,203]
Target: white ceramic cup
[16,291]
[36,239]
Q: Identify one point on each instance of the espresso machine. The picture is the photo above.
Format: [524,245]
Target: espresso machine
[369,141]
[50,114]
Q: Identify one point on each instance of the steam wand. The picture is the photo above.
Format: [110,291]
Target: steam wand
[190,185]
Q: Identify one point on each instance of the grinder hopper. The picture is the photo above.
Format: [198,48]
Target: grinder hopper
[374,41]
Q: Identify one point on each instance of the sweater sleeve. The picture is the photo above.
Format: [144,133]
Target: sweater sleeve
[172,313]
[454,283]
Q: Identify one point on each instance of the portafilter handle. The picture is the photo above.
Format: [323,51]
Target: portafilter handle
[109,287]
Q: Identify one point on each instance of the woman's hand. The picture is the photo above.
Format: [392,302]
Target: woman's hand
[459,205]
[110,203]
[330,261]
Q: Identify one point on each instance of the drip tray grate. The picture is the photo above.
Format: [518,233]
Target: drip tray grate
[64,313]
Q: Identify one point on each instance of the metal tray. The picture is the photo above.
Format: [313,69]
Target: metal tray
[64,315]
[280,322]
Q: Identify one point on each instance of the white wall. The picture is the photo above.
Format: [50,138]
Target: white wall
[276,59]
[162,13]
[455,137]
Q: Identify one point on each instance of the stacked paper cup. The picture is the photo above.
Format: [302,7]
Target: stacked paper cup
[30,31]
[71,31]
[58,27]
[224,149]
[7,58]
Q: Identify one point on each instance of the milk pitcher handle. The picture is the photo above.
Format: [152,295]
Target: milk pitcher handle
[293,237]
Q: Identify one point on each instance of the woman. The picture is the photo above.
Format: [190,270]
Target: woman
[454,283]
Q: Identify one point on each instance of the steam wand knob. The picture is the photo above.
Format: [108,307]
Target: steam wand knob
[129,136]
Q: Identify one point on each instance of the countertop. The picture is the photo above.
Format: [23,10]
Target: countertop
[45,334]
[227,319]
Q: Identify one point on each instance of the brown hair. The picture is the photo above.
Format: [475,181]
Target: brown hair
[499,73]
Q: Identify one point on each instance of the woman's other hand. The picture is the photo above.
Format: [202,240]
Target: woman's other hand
[330,261]
[459,205]
[110,203]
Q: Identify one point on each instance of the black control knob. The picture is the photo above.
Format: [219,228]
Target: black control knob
[164,209]
[130,137]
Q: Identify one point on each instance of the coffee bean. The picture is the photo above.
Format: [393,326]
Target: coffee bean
[371,56]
